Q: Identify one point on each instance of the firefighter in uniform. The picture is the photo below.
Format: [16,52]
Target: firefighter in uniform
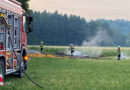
[41,47]
[71,49]
[118,53]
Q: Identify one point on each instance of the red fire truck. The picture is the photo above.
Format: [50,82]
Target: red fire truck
[13,38]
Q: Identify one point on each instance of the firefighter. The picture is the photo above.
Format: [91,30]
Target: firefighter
[118,53]
[41,47]
[71,49]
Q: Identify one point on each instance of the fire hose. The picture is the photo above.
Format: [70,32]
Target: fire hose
[21,66]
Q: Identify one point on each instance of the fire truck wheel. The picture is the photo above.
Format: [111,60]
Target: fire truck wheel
[2,69]
[20,72]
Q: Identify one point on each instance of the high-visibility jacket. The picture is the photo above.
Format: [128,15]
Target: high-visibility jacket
[41,45]
[71,48]
[118,50]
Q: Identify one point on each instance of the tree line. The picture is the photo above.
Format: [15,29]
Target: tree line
[61,29]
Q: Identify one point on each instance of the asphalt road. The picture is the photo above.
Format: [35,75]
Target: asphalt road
[33,51]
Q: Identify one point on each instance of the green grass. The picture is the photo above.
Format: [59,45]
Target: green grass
[73,74]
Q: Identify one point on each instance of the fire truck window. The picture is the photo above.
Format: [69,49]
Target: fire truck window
[11,24]
[24,23]
[16,32]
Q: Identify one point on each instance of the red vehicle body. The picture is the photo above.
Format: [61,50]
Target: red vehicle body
[12,38]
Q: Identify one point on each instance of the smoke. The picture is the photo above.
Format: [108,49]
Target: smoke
[77,53]
[125,55]
[86,51]
[93,46]
[95,42]
[93,52]
[101,36]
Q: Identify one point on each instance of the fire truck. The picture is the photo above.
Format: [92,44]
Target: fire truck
[13,38]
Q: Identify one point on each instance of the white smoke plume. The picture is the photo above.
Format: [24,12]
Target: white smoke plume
[125,55]
[76,53]
[95,41]
[100,36]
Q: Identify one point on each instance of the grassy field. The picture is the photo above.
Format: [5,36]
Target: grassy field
[73,74]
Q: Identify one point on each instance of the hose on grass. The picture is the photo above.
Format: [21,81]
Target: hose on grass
[35,83]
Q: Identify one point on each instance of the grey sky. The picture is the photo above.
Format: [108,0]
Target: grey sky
[90,9]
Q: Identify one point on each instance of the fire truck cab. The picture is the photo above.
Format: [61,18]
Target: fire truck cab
[13,38]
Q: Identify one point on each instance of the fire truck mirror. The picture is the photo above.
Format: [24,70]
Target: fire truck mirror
[30,30]
[30,19]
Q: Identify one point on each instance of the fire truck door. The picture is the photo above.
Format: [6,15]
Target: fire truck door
[9,39]
[14,42]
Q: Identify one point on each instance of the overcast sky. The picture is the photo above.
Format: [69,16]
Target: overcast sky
[90,9]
